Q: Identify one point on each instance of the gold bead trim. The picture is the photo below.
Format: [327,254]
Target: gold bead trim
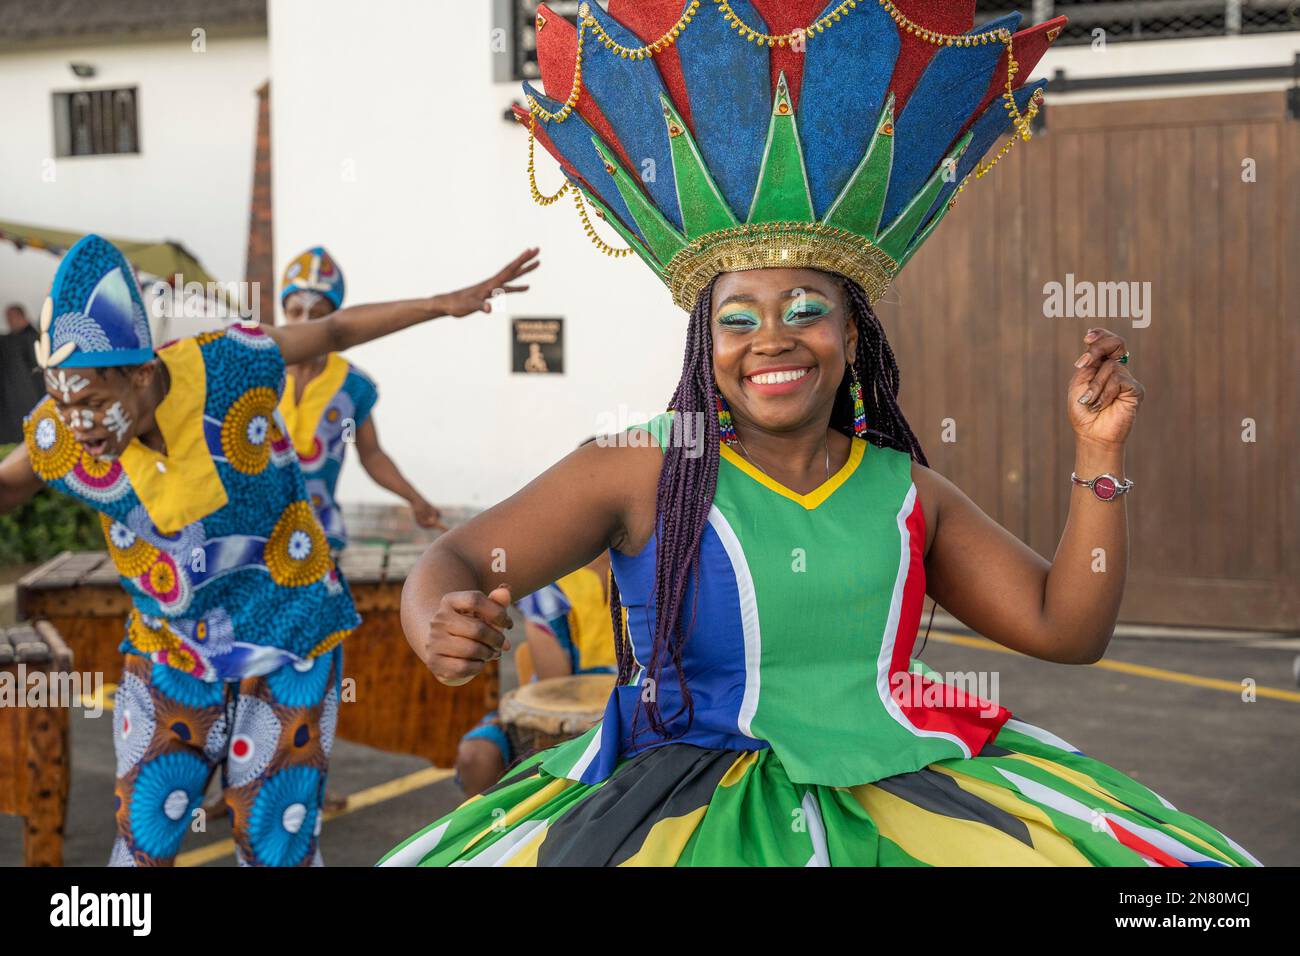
[590,229]
[538,196]
[778,245]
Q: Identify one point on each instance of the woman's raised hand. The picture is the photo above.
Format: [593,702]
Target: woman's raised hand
[478,297]
[466,632]
[1103,395]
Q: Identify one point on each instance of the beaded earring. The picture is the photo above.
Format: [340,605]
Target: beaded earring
[859,410]
[726,430]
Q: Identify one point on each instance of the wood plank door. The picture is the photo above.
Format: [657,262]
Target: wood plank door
[1200,198]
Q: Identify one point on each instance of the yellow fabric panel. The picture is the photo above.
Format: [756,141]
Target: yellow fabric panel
[1072,776]
[1047,839]
[590,626]
[524,669]
[526,855]
[736,772]
[943,841]
[302,418]
[664,843]
[187,488]
[814,497]
[522,809]
[1197,842]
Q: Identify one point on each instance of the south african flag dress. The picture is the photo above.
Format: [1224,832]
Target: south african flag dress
[816,739]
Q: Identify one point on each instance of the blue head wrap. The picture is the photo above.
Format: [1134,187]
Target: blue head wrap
[314,271]
[95,315]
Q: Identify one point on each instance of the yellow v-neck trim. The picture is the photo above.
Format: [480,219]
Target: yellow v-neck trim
[815,497]
[187,487]
[302,418]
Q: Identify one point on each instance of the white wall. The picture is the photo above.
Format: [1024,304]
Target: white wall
[191,181]
[389,148]
[1171,56]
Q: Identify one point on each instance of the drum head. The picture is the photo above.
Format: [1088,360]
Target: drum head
[568,704]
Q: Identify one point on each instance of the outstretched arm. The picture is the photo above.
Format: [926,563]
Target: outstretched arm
[17,480]
[356,324]
[455,598]
[1064,611]
[386,474]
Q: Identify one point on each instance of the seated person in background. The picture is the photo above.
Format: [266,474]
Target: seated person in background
[569,631]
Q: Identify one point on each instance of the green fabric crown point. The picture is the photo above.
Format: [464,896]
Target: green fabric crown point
[862,200]
[662,239]
[628,235]
[783,194]
[897,239]
[701,203]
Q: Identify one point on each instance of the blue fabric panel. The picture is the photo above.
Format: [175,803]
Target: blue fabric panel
[945,97]
[845,78]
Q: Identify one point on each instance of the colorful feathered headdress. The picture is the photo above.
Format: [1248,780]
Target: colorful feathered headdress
[722,135]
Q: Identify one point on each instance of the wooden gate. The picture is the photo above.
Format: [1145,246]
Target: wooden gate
[1200,197]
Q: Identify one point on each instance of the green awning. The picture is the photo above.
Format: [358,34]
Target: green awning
[161,260]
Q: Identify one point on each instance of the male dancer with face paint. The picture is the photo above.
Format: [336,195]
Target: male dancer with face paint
[327,404]
[233,643]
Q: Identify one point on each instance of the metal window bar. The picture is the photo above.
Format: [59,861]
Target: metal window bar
[96,122]
[1122,20]
[1152,19]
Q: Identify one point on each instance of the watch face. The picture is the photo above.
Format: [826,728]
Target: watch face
[1104,488]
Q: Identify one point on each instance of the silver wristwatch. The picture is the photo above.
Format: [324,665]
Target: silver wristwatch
[1106,487]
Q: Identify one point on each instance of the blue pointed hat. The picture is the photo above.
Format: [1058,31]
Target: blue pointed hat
[722,135]
[314,271]
[94,316]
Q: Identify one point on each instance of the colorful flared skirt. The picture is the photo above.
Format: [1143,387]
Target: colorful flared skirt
[1027,799]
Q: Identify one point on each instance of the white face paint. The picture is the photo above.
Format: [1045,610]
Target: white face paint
[65,384]
[81,419]
[117,420]
[305,300]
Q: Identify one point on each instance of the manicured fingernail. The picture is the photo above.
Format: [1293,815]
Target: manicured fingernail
[1084,398]
[1082,360]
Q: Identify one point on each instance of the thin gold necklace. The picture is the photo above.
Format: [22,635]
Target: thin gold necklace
[754,461]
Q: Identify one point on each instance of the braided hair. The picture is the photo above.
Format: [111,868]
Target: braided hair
[687,482]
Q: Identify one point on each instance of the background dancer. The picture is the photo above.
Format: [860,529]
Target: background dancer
[233,644]
[328,402]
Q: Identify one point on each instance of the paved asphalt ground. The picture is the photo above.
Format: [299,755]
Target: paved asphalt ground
[1232,763]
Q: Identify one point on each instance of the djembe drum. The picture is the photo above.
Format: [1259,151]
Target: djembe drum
[548,712]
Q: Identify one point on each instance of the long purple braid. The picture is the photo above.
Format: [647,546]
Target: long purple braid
[687,482]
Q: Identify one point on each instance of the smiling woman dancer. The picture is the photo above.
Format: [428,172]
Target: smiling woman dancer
[768,591]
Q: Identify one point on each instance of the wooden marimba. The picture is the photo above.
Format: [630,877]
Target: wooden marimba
[389,700]
[34,754]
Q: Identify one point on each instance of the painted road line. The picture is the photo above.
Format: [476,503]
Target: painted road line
[1137,670]
[357,801]
[102,698]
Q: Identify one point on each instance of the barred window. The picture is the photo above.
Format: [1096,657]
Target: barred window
[96,122]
